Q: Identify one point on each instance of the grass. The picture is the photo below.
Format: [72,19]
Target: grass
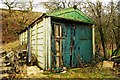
[8,47]
[88,72]
[85,73]
[110,52]
[12,47]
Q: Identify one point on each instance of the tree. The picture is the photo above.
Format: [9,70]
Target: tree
[96,9]
[10,4]
[57,5]
[13,21]
[102,15]
[116,30]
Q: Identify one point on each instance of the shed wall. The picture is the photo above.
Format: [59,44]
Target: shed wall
[75,40]
[40,44]
[23,37]
[47,39]
[37,43]
[20,39]
[33,39]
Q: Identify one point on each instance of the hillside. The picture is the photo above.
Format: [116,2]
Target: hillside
[13,22]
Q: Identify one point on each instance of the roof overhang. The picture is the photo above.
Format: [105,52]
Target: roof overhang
[68,20]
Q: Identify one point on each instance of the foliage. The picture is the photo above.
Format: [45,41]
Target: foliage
[9,47]
[14,22]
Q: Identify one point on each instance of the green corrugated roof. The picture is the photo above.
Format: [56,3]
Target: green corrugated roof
[71,13]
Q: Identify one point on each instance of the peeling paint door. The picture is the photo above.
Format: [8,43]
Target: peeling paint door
[74,45]
[83,45]
[77,45]
[66,45]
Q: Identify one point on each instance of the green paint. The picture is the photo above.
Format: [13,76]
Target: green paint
[80,38]
[66,45]
[72,14]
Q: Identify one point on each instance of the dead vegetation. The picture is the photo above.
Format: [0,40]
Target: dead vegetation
[8,47]
[20,69]
[88,72]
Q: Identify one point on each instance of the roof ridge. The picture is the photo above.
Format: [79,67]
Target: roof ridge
[86,17]
[61,10]
[64,13]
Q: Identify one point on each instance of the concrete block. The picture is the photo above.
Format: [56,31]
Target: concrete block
[108,64]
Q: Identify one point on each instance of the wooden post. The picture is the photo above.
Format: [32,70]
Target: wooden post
[30,41]
[93,40]
[46,43]
[61,61]
[36,41]
[44,26]
[29,45]
[57,44]
[49,42]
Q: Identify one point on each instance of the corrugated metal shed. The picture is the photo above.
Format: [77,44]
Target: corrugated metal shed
[61,38]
